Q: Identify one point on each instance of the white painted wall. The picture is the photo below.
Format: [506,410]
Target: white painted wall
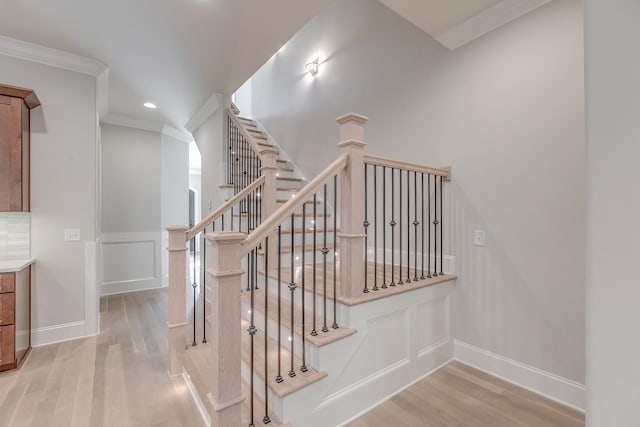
[174,192]
[63,195]
[507,112]
[131,209]
[612,32]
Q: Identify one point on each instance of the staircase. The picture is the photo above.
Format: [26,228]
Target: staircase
[326,328]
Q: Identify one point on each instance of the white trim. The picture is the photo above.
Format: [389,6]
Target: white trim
[204,414]
[177,134]
[91,298]
[207,109]
[58,333]
[486,21]
[52,57]
[130,122]
[102,93]
[552,386]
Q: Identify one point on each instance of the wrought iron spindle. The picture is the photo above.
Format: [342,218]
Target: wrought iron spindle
[314,332]
[384,227]
[249,255]
[415,226]
[279,378]
[335,248]
[429,227]
[252,332]
[375,227]
[203,268]
[422,240]
[266,419]
[441,229]
[393,224]
[435,226]
[292,288]
[303,368]
[408,228]
[400,281]
[195,286]
[366,227]
[325,251]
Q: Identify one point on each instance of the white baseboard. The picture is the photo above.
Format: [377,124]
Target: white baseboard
[204,414]
[129,286]
[553,386]
[58,333]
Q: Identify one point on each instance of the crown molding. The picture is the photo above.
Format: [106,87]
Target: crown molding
[102,93]
[177,134]
[130,122]
[52,57]
[487,21]
[207,109]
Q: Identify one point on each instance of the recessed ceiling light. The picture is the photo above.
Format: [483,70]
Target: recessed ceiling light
[150,105]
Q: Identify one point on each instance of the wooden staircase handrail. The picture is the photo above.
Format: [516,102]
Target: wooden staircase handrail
[252,142]
[225,207]
[279,216]
[445,173]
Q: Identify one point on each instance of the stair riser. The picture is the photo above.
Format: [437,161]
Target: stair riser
[275,403]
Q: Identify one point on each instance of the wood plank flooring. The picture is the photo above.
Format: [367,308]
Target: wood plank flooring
[458,395]
[118,378]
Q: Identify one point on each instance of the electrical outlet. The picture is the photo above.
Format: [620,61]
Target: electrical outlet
[71,234]
[479,238]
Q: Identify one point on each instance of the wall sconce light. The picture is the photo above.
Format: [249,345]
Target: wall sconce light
[312,67]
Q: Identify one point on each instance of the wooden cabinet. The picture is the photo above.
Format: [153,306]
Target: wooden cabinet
[15,129]
[15,318]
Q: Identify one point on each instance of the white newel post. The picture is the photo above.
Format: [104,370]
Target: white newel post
[225,271]
[269,195]
[351,245]
[177,319]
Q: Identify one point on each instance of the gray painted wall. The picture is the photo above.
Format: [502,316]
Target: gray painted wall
[612,32]
[63,195]
[507,112]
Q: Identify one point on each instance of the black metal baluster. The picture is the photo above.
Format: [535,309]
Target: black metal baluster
[279,378]
[292,288]
[400,281]
[203,267]
[435,226]
[408,227]
[422,241]
[429,227]
[441,229]
[415,226]
[303,368]
[366,226]
[375,227]
[384,227]
[335,248]
[393,224]
[228,146]
[266,419]
[195,286]
[252,332]
[325,251]
[249,255]
[314,332]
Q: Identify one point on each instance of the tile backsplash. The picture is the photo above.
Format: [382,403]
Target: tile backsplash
[15,235]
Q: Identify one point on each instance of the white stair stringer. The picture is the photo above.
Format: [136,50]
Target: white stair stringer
[399,340]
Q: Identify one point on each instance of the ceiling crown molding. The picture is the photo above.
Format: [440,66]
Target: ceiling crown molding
[52,57]
[177,134]
[130,122]
[207,109]
[487,21]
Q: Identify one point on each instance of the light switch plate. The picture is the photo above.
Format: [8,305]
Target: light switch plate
[71,234]
[479,238]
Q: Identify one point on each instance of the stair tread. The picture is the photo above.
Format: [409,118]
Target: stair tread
[320,340]
[290,384]
[287,249]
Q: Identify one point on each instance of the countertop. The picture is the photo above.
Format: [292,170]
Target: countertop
[15,265]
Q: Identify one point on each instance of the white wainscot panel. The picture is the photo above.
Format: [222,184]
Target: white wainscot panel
[130,262]
[383,347]
[433,324]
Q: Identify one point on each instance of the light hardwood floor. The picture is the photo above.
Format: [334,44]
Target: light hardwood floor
[458,395]
[118,378]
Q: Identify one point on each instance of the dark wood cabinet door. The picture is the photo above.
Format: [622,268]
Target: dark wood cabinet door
[14,161]
[7,347]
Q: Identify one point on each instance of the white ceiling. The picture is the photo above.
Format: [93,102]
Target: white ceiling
[177,53]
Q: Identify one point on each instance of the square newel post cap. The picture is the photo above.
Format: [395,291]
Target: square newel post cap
[352,129]
[226,237]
